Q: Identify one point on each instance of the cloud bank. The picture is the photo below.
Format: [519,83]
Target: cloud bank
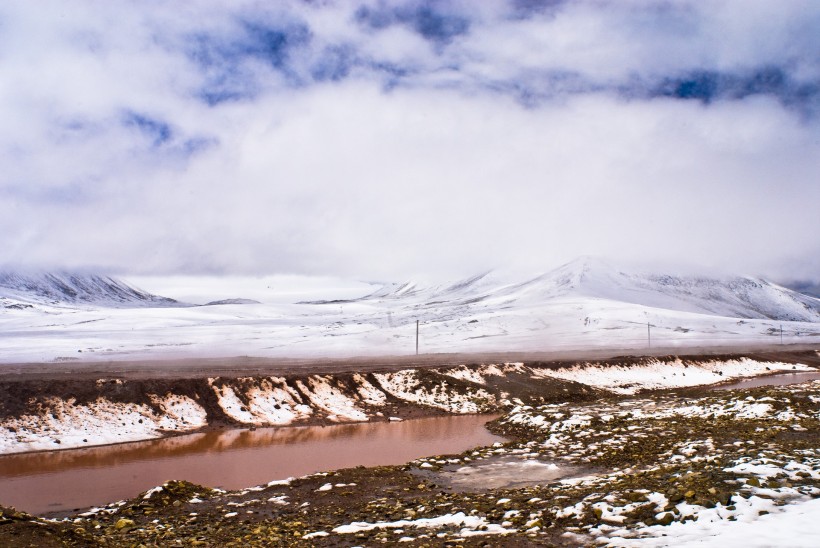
[384,139]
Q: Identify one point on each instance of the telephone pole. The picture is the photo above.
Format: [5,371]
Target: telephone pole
[417,337]
[648,336]
[781,333]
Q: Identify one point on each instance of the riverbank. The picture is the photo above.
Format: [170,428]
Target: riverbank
[38,414]
[654,469]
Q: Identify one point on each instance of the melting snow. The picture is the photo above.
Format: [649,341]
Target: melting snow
[470,524]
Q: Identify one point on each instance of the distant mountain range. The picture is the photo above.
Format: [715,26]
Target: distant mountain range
[585,304]
[586,279]
[590,278]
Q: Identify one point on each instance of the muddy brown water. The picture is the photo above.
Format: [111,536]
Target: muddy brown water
[61,481]
[772,380]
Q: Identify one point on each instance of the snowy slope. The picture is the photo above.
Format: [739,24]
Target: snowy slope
[738,297]
[735,297]
[74,288]
[583,305]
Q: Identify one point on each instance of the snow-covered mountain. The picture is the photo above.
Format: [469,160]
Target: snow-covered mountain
[584,305]
[735,297]
[21,289]
[591,278]
[804,286]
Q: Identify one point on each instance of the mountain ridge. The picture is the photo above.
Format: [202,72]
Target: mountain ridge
[63,287]
[742,297]
[586,278]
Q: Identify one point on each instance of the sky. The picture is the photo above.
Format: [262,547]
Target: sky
[381,140]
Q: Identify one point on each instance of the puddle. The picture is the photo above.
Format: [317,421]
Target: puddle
[502,473]
[773,380]
[61,481]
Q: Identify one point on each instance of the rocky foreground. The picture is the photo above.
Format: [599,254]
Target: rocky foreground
[655,468]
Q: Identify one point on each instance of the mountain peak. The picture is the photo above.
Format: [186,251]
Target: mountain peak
[76,288]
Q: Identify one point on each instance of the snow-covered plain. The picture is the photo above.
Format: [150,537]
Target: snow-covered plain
[583,305]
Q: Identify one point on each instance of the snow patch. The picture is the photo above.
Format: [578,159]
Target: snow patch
[471,525]
[325,396]
[406,385]
[64,424]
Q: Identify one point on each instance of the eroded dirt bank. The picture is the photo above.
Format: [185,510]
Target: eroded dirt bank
[620,469]
[48,414]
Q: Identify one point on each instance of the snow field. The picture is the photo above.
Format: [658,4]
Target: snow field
[581,306]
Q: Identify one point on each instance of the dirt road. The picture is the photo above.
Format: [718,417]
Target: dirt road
[247,366]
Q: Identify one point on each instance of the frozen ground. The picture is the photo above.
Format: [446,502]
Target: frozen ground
[37,415]
[583,305]
[795,525]
[714,468]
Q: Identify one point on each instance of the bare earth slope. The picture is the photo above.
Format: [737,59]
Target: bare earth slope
[50,411]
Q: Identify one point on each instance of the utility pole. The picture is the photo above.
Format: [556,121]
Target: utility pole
[781,333]
[648,336]
[417,337]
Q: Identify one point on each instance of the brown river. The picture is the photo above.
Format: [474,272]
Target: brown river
[780,379]
[60,481]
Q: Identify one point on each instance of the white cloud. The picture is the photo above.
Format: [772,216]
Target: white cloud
[439,170]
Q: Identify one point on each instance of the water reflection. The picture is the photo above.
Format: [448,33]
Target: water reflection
[231,459]
[773,380]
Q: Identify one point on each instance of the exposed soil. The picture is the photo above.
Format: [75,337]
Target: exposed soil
[634,455]
[20,393]
[36,397]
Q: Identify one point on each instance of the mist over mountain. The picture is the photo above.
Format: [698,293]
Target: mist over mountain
[597,279]
[585,304]
[586,278]
[804,286]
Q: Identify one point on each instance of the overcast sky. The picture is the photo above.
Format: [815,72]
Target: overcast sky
[382,140]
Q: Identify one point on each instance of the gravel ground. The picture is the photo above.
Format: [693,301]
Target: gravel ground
[619,470]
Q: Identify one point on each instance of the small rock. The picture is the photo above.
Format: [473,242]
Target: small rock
[666,519]
[122,523]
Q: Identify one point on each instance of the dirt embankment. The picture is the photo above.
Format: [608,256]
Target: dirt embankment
[58,412]
[667,466]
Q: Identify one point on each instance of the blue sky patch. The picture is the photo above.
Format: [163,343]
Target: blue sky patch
[431,23]
[334,63]
[157,132]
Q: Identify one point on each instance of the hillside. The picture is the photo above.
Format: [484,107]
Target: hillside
[733,297]
[20,289]
[584,305]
